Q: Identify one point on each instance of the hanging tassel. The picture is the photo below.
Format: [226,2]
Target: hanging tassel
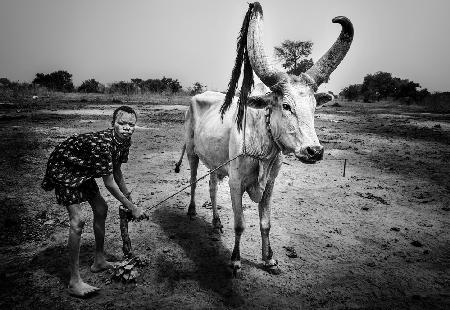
[241,57]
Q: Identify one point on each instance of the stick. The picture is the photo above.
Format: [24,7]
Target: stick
[345,164]
[124,219]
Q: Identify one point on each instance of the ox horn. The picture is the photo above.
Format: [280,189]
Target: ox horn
[321,70]
[258,59]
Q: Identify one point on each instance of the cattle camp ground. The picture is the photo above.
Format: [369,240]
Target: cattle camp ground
[377,237]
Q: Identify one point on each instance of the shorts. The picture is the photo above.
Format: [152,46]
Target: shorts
[67,196]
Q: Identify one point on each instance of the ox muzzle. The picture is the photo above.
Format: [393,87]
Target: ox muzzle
[310,154]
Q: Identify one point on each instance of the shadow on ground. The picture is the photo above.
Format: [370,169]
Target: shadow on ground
[204,249]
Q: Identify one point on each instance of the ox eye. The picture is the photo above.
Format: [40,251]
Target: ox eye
[287,107]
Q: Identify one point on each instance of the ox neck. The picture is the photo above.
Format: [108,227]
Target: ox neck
[259,142]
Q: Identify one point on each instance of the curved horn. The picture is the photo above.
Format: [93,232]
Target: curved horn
[321,70]
[258,59]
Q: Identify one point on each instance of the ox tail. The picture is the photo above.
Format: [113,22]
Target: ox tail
[178,164]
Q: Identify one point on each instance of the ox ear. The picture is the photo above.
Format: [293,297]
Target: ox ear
[258,102]
[322,98]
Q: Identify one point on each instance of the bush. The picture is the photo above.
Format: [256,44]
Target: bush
[381,85]
[197,88]
[142,86]
[122,87]
[10,89]
[57,81]
[351,92]
[4,82]
[438,102]
[90,86]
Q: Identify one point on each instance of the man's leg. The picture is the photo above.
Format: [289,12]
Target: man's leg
[76,285]
[100,210]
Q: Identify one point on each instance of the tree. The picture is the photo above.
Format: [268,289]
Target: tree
[5,82]
[171,84]
[405,88]
[152,85]
[89,86]
[122,87]
[351,92]
[294,55]
[137,81]
[59,80]
[379,85]
[197,88]
[302,66]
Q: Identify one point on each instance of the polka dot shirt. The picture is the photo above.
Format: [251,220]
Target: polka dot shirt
[84,157]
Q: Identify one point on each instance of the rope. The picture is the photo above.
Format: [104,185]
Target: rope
[211,171]
[244,153]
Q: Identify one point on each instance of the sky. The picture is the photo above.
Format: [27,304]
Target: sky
[195,41]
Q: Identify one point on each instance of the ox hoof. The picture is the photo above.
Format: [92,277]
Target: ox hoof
[272,267]
[236,269]
[191,212]
[217,225]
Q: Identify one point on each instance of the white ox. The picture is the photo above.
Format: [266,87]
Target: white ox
[281,121]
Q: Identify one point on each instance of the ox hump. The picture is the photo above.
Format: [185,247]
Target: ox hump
[208,98]
[205,101]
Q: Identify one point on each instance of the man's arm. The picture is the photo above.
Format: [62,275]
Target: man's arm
[118,177]
[114,189]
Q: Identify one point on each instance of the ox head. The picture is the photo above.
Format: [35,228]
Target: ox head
[292,103]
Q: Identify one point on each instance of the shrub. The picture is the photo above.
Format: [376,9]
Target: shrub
[437,102]
[89,86]
[58,80]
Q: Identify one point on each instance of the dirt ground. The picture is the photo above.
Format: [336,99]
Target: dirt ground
[378,238]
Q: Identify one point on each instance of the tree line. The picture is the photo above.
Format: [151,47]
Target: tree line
[293,54]
[61,81]
[294,57]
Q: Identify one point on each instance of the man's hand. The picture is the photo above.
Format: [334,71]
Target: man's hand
[139,214]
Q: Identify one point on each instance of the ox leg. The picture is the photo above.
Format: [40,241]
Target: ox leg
[270,264]
[213,195]
[239,226]
[193,164]
[178,164]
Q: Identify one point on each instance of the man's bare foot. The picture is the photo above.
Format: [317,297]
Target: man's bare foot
[101,266]
[81,289]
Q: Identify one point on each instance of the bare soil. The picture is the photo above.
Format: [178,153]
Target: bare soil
[376,238]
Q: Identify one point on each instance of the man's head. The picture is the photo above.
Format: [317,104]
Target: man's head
[124,122]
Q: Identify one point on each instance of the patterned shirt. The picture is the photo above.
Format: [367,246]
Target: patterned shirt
[83,157]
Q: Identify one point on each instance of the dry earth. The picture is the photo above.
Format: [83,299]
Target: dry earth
[377,238]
